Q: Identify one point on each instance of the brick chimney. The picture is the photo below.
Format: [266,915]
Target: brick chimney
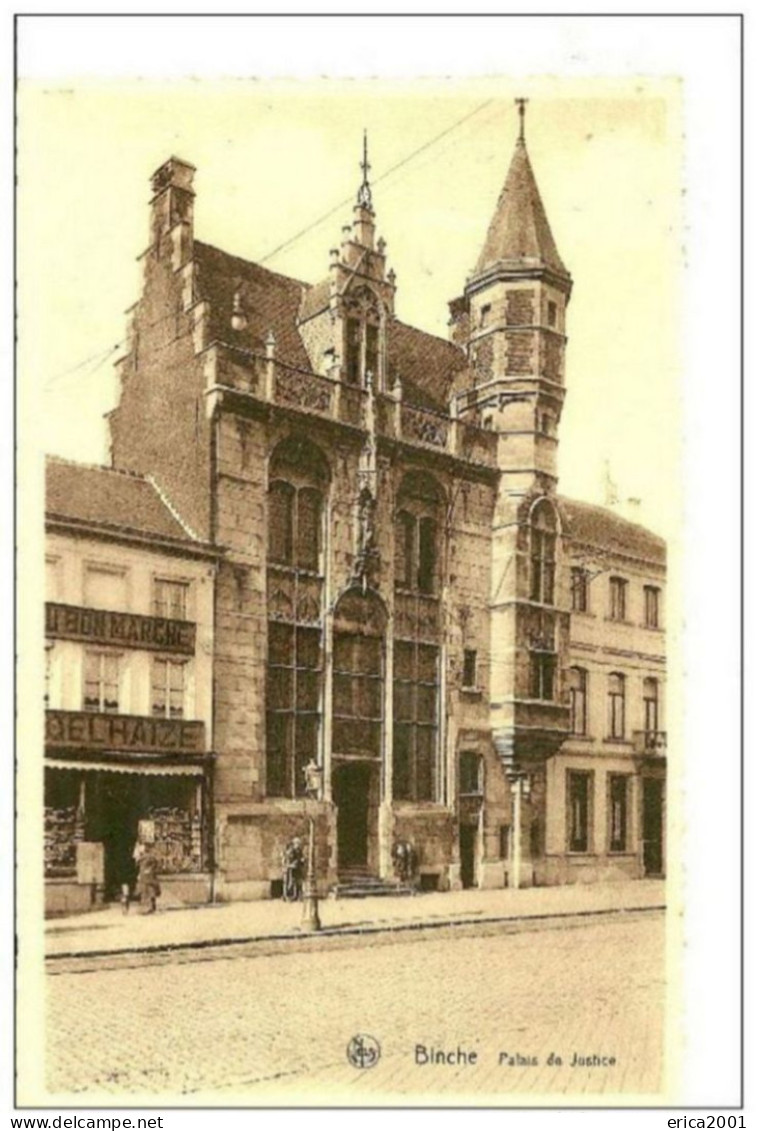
[172,210]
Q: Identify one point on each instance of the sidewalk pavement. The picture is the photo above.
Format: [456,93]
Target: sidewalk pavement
[110,931]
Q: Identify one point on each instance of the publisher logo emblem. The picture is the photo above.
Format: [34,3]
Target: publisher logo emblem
[363,1051]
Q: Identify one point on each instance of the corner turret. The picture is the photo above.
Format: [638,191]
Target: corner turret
[511,321]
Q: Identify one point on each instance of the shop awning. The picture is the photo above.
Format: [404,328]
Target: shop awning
[127,768]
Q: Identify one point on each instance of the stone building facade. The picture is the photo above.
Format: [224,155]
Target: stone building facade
[396,588]
[128,689]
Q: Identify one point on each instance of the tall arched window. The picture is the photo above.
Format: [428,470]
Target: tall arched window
[417,535]
[417,643]
[616,705]
[542,553]
[298,481]
[358,700]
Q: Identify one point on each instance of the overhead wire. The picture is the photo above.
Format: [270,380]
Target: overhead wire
[100,357]
[400,164]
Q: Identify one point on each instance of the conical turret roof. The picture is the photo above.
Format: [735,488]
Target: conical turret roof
[519,233]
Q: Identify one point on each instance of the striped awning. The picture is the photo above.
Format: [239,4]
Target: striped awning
[127,768]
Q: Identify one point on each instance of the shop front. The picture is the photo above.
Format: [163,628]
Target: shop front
[98,800]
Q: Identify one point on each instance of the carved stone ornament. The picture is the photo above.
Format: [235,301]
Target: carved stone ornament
[367,559]
[305,391]
[424,427]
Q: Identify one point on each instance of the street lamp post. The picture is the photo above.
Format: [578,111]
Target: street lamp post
[520,786]
[310,918]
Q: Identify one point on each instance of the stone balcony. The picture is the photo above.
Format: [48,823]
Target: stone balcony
[650,743]
[264,380]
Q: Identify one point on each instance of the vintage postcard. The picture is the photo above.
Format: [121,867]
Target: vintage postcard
[358,612]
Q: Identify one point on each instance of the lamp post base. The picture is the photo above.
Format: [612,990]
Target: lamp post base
[311,920]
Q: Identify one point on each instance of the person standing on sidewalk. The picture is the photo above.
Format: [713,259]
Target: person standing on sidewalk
[148,886]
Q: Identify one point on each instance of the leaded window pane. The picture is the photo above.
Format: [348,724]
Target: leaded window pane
[280,688]
[342,694]
[426,555]
[308,686]
[308,648]
[371,350]
[278,738]
[352,351]
[401,761]
[369,698]
[424,763]
[404,550]
[281,522]
[428,661]
[368,660]
[308,528]
[415,716]
[280,644]
[426,711]
[403,660]
[403,701]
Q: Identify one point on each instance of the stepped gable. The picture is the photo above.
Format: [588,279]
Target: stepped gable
[427,365]
[603,529]
[103,496]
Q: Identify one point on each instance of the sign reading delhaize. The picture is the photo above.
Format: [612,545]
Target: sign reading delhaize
[129,630]
[80,729]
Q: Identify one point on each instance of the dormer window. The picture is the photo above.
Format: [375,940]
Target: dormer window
[352,350]
[361,337]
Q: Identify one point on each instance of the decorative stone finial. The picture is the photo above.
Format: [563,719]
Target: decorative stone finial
[364,192]
[521,104]
[238,316]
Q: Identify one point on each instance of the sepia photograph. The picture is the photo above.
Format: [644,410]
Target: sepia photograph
[353,443]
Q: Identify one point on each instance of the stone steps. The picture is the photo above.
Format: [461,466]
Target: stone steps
[357,883]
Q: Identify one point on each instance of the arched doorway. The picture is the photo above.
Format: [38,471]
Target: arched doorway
[357,727]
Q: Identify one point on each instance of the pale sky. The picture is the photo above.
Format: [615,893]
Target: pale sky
[273,157]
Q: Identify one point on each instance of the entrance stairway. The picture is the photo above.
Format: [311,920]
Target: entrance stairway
[358,883]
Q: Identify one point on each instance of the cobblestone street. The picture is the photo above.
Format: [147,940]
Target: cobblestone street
[275,1028]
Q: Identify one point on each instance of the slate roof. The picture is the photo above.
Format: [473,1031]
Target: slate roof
[603,529]
[519,231]
[426,363]
[271,302]
[315,299]
[114,500]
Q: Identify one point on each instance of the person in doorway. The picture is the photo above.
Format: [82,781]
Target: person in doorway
[148,886]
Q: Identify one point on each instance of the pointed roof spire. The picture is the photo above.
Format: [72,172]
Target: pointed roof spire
[519,232]
[364,198]
[521,104]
